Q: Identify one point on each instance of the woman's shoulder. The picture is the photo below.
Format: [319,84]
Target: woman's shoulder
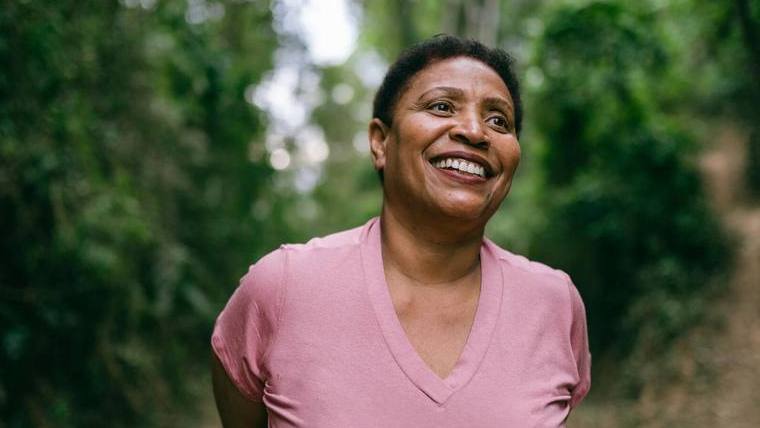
[533,281]
[526,265]
[345,238]
[263,286]
[536,278]
[313,253]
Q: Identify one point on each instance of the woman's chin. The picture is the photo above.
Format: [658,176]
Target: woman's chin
[476,205]
[467,211]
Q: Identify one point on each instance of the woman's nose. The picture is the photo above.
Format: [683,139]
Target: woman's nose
[470,129]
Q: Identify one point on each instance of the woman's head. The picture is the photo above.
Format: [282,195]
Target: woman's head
[448,147]
[435,49]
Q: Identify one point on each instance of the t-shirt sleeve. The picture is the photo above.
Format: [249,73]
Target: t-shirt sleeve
[579,343]
[245,329]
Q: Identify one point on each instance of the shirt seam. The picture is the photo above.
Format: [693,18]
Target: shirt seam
[282,289]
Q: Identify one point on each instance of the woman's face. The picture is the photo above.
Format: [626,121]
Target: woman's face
[452,149]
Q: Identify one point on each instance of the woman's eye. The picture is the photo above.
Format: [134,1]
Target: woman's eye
[499,122]
[441,107]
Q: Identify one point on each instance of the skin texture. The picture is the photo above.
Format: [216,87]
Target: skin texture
[432,220]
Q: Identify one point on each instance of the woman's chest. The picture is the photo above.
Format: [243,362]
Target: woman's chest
[346,374]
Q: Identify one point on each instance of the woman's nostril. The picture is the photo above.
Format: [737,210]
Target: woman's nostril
[471,134]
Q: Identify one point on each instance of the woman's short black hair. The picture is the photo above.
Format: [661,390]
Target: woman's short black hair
[438,48]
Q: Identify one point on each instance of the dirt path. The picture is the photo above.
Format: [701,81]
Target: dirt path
[735,402]
[716,380]
[718,364]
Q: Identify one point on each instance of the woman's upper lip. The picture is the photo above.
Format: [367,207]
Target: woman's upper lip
[472,157]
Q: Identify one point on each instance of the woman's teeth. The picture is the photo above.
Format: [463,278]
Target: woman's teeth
[461,165]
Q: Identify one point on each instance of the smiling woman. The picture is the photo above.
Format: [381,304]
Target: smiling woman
[414,319]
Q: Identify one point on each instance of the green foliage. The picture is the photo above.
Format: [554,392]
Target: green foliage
[124,205]
[627,216]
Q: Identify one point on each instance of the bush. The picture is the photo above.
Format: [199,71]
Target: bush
[626,213]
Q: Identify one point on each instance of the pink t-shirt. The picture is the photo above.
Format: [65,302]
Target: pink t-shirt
[311,331]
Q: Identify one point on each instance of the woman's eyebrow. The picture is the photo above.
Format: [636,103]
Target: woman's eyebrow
[498,102]
[446,90]
[453,92]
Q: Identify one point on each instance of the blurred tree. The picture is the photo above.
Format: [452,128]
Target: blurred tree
[748,16]
[719,48]
[125,200]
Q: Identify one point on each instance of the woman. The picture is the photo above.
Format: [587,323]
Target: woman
[414,319]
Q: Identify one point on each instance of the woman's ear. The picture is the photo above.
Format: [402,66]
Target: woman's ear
[378,137]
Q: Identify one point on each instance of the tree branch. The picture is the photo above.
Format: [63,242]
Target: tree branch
[749,33]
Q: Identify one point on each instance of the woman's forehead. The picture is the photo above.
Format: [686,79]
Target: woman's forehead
[456,75]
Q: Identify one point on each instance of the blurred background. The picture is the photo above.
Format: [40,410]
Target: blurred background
[150,150]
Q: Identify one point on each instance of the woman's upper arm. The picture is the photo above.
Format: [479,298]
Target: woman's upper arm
[235,410]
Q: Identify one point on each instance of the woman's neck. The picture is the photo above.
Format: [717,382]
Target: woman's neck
[429,255]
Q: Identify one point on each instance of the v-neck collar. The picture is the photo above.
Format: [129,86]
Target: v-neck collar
[410,362]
